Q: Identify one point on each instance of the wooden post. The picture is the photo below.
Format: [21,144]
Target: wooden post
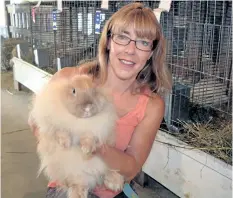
[142,179]
[17,85]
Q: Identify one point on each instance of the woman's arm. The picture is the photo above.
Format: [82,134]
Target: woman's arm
[129,163]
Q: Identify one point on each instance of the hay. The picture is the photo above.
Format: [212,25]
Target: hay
[8,46]
[214,138]
[9,51]
[49,70]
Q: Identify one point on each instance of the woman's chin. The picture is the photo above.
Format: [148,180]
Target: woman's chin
[125,75]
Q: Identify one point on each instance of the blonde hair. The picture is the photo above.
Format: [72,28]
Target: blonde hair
[155,74]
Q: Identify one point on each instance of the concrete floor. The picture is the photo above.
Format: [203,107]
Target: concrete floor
[19,159]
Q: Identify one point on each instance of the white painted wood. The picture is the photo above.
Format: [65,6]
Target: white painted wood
[104,4]
[188,173]
[30,76]
[164,5]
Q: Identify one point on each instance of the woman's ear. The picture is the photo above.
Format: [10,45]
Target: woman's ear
[151,55]
[108,44]
[108,39]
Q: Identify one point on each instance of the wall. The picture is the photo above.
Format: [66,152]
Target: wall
[3,30]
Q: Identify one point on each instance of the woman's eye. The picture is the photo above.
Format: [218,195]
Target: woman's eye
[145,43]
[122,37]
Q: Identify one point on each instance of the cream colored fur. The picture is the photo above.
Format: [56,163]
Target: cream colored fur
[60,132]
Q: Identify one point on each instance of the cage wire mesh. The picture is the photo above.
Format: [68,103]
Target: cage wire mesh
[199,52]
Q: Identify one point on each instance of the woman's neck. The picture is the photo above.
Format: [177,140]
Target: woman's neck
[117,85]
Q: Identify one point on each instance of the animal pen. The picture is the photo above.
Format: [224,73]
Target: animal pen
[199,54]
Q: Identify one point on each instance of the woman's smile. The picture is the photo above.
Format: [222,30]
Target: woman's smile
[127,63]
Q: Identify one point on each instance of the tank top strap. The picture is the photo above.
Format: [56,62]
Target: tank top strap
[142,104]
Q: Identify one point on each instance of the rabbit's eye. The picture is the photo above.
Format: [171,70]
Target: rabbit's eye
[73,91]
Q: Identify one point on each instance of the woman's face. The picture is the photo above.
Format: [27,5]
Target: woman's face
[127,61]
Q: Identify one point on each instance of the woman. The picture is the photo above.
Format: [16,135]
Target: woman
[130,63]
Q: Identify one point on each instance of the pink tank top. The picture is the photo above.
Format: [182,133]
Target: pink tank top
[125,128]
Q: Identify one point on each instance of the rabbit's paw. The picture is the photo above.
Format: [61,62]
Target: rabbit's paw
[77,192]
[114,181]
[88,145]
[64,139]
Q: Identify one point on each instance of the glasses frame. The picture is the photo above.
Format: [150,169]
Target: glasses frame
[152,48]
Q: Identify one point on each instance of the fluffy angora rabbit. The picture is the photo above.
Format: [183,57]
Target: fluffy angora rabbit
[74,117]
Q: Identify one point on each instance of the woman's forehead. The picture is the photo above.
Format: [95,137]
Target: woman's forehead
[133,32]
[138,22]
[128,30]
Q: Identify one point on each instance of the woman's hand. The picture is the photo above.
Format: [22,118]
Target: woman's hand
[101,150]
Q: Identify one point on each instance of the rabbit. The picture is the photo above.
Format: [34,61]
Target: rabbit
[74,118]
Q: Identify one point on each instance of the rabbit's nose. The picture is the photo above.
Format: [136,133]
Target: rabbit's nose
[88,107]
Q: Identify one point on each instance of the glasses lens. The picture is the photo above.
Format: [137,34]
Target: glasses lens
[124,40]
[121,39]
[144,45]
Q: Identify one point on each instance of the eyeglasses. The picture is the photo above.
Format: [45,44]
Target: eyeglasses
[140,44]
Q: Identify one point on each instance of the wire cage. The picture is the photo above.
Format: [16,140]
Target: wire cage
[61,38]
[199,53]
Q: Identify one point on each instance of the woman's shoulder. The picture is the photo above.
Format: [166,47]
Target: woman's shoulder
[156,104]
[150,104]
[154,98]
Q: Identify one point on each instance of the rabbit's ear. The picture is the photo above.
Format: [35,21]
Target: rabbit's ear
[82,81]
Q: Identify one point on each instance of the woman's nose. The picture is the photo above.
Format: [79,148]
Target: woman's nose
[131,47]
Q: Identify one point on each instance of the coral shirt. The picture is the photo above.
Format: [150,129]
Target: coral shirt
[124,131]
